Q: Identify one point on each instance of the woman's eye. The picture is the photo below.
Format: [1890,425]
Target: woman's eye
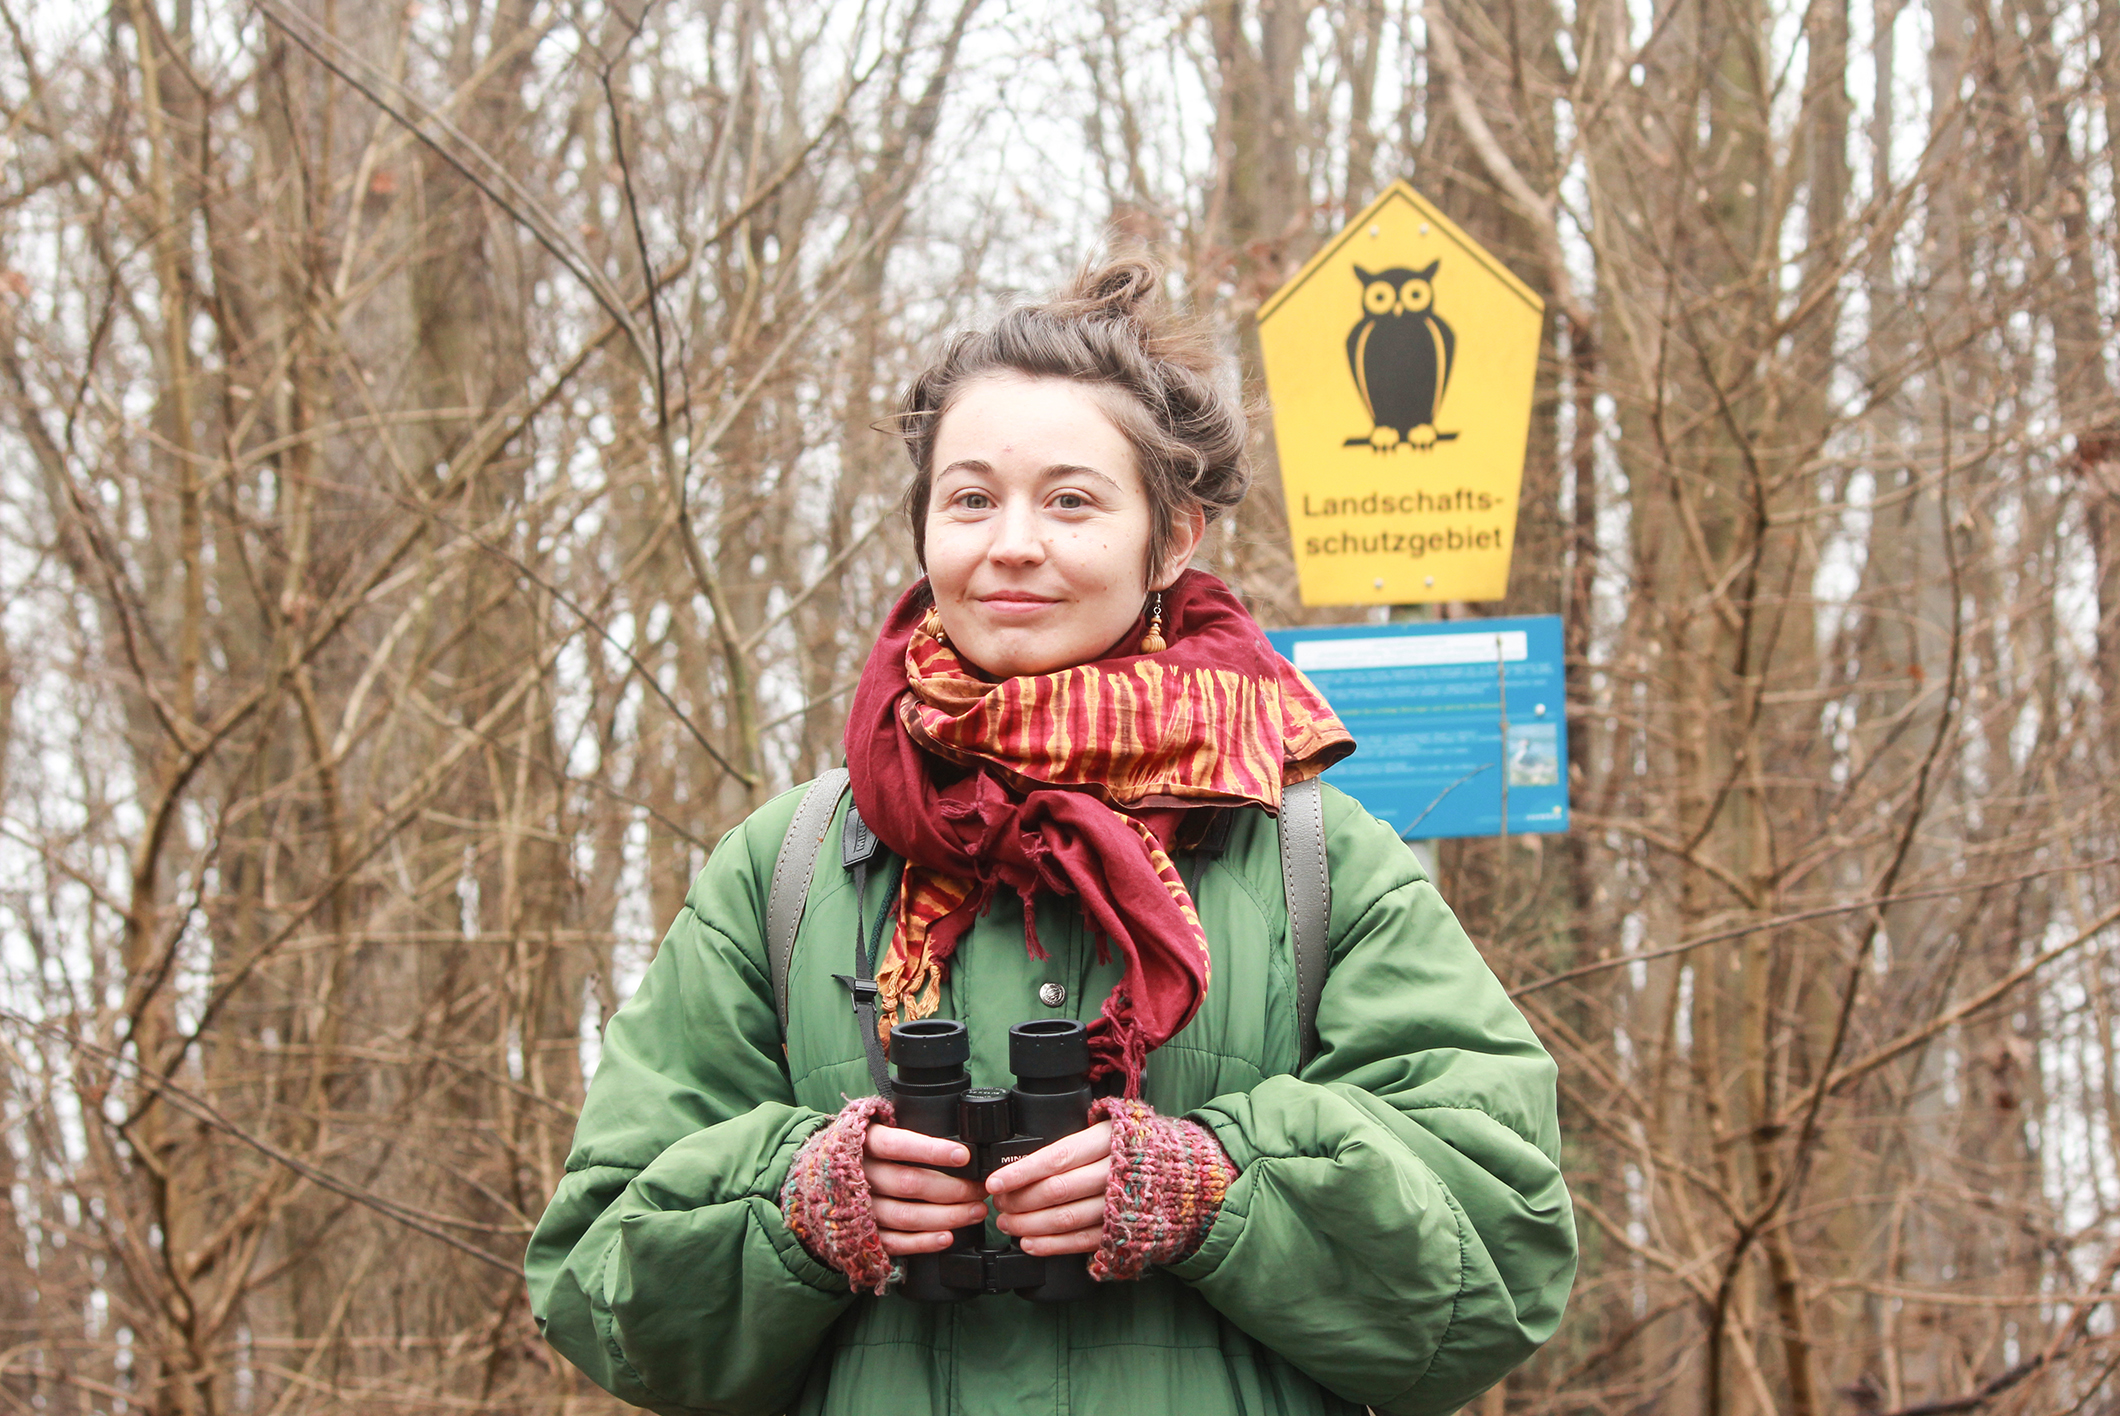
[1071,501]
[973,501]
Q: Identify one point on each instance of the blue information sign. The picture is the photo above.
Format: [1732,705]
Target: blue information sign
[1459,726]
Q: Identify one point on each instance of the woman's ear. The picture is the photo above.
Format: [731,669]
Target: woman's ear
[1186,531]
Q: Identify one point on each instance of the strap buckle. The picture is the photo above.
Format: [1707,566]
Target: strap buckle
[860,990]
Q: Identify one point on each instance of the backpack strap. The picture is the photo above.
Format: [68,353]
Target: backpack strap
[1307,882]
[800,851]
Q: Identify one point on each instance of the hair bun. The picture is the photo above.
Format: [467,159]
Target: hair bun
[1125,287]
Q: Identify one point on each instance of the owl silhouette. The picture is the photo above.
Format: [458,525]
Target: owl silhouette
[1400,354]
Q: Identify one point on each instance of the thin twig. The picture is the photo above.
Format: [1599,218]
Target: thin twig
[1782,921]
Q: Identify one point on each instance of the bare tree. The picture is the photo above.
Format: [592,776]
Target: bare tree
[442,495]
[446,506]
[1820,478]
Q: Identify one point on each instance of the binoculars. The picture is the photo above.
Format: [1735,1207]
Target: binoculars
[934,1096]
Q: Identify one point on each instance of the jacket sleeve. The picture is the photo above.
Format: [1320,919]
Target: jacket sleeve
[1399,1229]
[661,1267]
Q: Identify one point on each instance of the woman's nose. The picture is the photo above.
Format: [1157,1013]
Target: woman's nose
[1017,536]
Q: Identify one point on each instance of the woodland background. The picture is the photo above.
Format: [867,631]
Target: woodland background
[439,495]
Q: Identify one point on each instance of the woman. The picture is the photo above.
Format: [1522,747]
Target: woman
[1075,747]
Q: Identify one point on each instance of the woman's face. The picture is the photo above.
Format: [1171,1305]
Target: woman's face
[1038,527]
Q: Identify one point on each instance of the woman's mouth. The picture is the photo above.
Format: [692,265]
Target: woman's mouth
[1014,603]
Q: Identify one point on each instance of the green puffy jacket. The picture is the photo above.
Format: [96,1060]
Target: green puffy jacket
[1399,1236]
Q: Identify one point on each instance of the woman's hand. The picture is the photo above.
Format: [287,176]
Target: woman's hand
[915,1206]
[1052,1200]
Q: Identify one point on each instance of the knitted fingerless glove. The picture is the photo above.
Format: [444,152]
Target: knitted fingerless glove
[825,1200]
[1167,1181]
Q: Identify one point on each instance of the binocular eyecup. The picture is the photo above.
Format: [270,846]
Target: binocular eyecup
[1051,1099]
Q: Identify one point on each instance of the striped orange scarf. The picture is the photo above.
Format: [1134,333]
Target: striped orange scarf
[1075,782]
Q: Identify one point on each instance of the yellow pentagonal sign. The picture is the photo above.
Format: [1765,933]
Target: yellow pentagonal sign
[1400,361]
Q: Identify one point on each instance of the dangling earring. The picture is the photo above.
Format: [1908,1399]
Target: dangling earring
[1152,642]
[931,625]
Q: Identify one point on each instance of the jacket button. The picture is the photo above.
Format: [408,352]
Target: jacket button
[1052,995]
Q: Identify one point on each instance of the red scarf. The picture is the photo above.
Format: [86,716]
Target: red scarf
[1076,782]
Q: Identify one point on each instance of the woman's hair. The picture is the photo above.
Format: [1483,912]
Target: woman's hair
[1155,374]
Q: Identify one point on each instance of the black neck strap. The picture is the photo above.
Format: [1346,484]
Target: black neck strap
[857,850]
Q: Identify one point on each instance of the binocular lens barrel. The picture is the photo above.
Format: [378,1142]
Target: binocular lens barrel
[1049,1049]
[930,1074]
[932,1044]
